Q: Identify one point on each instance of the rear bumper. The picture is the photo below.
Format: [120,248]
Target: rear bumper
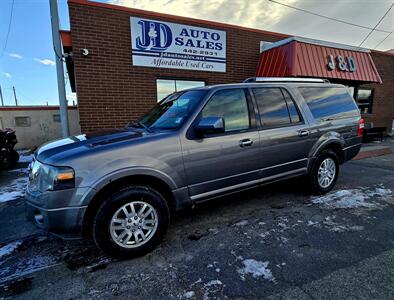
[351,151]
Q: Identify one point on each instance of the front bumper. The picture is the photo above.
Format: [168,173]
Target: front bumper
[43,210]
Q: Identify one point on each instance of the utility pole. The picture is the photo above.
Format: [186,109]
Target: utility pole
[16,100]
[1,96]
[59,68]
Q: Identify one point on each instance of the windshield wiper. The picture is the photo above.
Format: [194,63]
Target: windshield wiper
[139,124]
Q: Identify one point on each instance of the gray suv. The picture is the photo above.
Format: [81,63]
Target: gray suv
[121,186]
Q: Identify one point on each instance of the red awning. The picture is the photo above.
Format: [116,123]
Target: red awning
[300,57]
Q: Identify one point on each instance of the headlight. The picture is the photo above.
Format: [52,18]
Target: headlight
[49,178]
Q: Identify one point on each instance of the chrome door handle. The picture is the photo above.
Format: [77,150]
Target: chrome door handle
[245,142]
[303,133]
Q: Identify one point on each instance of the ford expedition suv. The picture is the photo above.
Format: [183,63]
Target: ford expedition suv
[122,185]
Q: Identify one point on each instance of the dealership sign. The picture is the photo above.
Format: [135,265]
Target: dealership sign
[342,63]
[168,45]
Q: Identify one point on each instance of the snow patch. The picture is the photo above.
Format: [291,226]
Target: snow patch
[21,170]
[256,269]
[9,248]
[213,282]
[25,267]
[14,190]
[332,225]
[352,198]
[188,295]
[242,223]
[25,156]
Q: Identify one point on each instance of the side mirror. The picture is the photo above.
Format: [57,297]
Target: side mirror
[210,125]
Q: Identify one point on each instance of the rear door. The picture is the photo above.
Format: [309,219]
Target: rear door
[284,133]
[222,162]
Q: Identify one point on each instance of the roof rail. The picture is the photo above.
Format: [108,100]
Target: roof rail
[285,79]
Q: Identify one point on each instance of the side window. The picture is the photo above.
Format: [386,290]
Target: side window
[329,102]
[272,106]
[232,106]
[293,111]
[22,121]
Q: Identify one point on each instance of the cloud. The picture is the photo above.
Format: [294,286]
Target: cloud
[255,14]
[15,55]
[8,75]
[265,15]
[71,97]
[45,61]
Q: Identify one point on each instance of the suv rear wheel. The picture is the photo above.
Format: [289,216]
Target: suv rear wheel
[131,222]
[324,173]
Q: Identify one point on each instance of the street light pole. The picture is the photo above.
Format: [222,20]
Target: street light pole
[16,100]
[59,68]
[1,97]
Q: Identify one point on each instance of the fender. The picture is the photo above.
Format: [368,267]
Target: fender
[118,174]
[325,140]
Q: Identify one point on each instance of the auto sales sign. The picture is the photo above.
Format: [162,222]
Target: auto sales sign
[168,45]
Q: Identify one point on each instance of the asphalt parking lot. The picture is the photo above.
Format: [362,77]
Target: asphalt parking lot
[272,242]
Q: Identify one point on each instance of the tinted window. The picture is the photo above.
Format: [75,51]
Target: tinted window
[172,111]
[326,101]
[232,106]
[364,100]
[165,87]
[293,111]
[272,106]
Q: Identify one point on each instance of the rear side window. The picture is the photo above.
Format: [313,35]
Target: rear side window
[326,102]
[275,108]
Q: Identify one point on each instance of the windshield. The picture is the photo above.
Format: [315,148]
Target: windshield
[172,111]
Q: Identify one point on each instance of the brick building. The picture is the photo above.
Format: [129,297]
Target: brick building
[115,83]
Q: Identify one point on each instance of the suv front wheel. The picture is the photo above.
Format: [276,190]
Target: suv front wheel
[131,222]
[324,173]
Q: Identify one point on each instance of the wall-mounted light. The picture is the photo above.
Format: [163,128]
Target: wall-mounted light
[84,52]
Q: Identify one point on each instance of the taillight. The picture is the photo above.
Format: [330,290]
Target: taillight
[360,128]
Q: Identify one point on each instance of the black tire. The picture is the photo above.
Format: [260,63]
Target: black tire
[14,157]
[313,178]
[6,160]
[102,221]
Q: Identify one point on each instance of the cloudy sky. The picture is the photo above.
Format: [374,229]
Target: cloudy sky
[27,60]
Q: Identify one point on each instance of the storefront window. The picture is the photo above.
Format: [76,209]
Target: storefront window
[351,90]
[168,86]
[364,100]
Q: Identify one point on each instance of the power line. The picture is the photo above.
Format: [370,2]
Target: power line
[9,29]
[383,39]
[377,24]
[326,17]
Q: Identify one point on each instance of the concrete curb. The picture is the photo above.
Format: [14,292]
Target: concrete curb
[367,153]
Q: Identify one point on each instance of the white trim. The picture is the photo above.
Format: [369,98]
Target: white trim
[351,146]
[314,42]
[250,183]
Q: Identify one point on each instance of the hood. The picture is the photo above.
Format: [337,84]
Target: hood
[55,150]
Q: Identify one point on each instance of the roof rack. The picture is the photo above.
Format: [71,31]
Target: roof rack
[285,79]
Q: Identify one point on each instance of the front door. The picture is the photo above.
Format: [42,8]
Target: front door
[222,162]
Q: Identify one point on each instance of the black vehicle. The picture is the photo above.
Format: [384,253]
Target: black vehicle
[8,156]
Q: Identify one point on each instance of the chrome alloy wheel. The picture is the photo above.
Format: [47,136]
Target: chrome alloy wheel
[133,224]
[326,173]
